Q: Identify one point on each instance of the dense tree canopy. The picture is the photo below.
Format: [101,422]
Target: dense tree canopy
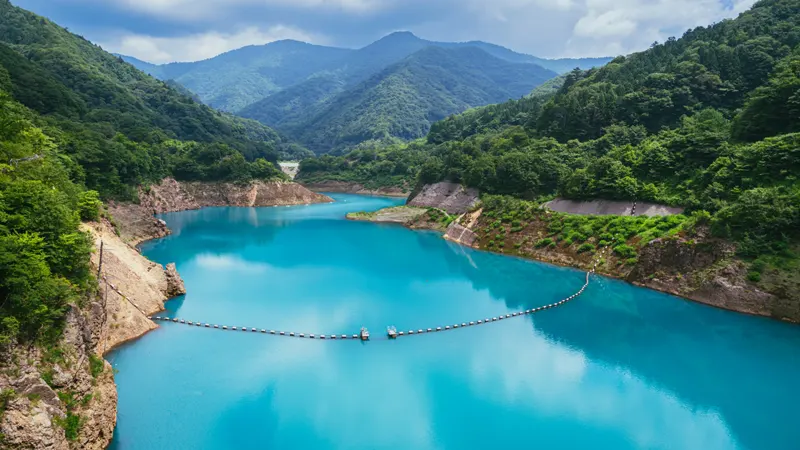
[708,121]
[121,127]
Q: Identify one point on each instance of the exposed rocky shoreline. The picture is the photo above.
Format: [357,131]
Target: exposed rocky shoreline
[74,383]
[137,222]
[701,268]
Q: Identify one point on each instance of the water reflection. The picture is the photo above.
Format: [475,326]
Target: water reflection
[619,368]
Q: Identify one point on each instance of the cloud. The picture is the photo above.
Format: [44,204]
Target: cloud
[624,26]
[208,9]
[195,47]
[185,30]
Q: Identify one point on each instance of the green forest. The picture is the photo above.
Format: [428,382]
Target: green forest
[78,126]
[400,101]
[707,121]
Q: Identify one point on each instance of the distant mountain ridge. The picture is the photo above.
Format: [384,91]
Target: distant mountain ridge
[404,99]
[233,80]
[291,85]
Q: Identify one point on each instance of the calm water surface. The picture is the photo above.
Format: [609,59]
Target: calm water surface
[619,368]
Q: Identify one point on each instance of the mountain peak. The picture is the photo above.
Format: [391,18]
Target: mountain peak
[400,36]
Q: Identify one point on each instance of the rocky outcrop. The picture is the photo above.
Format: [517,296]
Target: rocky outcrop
[451,197]
[610,207]
[460,234]
[136,288]
[51,391]
[174,281]
[705,270]
[348,187]
[136,222]
[71,385]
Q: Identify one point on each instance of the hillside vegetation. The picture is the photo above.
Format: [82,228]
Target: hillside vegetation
[404,99]
[332,99]
[78,125]
[708,121]
[119,127]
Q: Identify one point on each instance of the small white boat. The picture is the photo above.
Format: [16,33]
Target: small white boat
[364,334]
[391,332]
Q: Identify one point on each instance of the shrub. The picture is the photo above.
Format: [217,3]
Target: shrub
[96,365]
[755,277]
[631,261]
[587,247]
[544,243]
[6,395]
[625,251]
[89,205]
[758,266]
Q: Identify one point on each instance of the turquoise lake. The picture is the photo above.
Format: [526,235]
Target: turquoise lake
[618,368]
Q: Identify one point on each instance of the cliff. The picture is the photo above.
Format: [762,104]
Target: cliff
[137,224]
[450,197]
[65,397]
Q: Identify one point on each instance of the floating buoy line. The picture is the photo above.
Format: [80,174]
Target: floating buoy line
[392,333]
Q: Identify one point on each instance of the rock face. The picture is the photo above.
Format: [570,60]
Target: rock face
[610,207]
[131,288]
[460,234]
[137,224]
[136,288]
[174,281]
[36,415]
[705,270]
[451,197]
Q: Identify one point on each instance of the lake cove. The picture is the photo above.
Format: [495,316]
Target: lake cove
[618,368]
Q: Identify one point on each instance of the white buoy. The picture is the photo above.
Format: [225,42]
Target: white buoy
[291,334]
[302,335]
[463,324]
[420,331]
[410,331]
[224,327]
[271,331]
[282,333]
[400,333]
[183,321]
[263,331]
[207,325]
[447,327]
[344,336]
[190,323]
[429,330]
[216,326]
[472,323]
[311,336]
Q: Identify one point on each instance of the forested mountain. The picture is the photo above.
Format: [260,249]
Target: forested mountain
[708,121]
[238,78]
[404,99]
[234,80]
[118,126]
[290,85]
